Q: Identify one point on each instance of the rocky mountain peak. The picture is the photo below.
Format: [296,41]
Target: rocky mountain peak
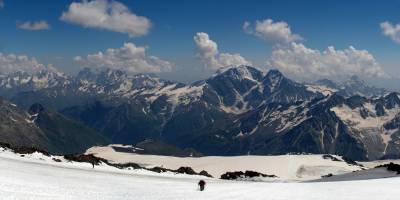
[392,100]
[273,79]
[86,74]
[354,81]
[274,74]
[327,83]
[240,72]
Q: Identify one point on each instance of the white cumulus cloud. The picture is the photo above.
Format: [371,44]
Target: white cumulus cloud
[207,52]
[391,30]
[275,32]
[129,58]
[299,61]
[293,58]
[11,63]
[34,26]
[108,15]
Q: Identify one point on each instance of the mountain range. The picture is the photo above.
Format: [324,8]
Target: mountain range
[351,87]
[238,110]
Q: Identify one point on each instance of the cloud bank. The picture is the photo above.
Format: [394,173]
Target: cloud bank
[207,52]
[302,62]
[108,15]
[11,63]
[129,58]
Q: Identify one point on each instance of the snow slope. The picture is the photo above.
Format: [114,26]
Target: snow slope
[286,167]
[377,173]
[35,177]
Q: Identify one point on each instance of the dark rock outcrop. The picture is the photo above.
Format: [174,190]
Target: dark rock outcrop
[205,173]
[186,170]
[247,174]
[89,158]
[327,156]
[391,167]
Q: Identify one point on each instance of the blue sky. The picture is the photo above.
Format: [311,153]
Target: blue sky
[174,24]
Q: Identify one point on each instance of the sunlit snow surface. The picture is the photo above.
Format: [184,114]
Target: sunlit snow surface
[31,177]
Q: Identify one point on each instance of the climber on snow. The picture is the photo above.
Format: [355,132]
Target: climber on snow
[202,184]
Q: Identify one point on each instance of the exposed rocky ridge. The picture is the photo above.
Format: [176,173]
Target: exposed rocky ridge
[92,159]
[44,129]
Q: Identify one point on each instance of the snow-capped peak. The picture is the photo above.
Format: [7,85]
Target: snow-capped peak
[240,72]
[273,78]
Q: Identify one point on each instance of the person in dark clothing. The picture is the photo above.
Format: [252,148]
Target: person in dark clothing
[202,185]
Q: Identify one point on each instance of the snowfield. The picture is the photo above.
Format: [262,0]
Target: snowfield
[38,177]
[286,167]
